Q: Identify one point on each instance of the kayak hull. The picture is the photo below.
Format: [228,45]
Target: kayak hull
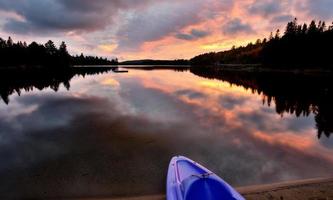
[188,180]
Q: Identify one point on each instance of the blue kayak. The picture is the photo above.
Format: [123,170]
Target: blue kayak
[188,180]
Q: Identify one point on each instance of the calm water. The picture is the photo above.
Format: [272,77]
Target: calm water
[113,134]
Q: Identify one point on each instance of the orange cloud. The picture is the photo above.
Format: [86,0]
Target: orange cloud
[155,29]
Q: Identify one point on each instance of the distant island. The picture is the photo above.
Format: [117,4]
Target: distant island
[155,62]
[21,54]
[300,46]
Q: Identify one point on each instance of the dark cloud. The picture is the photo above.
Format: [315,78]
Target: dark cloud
[129,22]
[282,18]
[230,102]
[60,15]
[191,94]
[156,23]
[265,7]
[166,18]
[236,26]
[257,119]
[193,35]
[320,9]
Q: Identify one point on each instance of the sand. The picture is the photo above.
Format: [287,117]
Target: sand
[311,189]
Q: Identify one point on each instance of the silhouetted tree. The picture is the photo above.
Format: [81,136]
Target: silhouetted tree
[64,56]
[20,54]
[9,42]
[301,46]
[312,27]
[51,49]
[291,28]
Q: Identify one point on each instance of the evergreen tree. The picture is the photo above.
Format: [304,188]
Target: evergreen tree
[51,49]
[304,29]
[291,28]
[34,54]
[300,46]
[63,49]
[312,27]
[10,42]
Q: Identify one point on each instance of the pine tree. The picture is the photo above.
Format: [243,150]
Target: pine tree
[312,27]
[305,29]
[291,28]
[10,42]
[277,34]
[51,49]
[63,49]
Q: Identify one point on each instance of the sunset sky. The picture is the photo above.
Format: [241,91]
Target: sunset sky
[163,29]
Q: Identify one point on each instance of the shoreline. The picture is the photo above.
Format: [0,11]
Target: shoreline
[255,68]
[310,189]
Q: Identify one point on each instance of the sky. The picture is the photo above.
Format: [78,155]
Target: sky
[156,29]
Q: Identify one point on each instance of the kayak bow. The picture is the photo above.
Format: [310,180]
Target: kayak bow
[188,180]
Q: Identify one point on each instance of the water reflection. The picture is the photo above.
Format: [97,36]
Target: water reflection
[112,132]
[12,81]
[298,94]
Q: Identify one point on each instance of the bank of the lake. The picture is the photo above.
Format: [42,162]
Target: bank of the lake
[263,68]
[310,189]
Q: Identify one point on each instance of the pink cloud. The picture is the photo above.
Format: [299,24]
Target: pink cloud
[153,29]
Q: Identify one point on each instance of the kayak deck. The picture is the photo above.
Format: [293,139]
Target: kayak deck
[188,180]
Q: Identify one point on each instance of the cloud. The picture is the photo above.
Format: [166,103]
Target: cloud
[265,7]
[128,22]
[236,26]
[282,19]
[60,15]
[156,23]
[156,28]
[82,145]
[190,94]
[230,102]
[166,18]
[192,35]
[319,8]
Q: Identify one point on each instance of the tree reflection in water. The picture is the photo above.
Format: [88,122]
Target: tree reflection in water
[16,80]
[299,94]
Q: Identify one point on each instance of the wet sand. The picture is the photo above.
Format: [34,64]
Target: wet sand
[312,189]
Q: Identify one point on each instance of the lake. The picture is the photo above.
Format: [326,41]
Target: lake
[113,134]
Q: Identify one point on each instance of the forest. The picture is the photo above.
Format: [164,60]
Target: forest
[300,46]
[34,54]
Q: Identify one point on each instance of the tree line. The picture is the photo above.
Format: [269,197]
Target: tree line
[301,45]
[156,62]
[34,54]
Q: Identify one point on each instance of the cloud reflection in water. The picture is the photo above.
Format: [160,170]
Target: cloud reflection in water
[113,132]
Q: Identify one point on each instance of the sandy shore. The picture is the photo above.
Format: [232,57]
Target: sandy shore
[312,189]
